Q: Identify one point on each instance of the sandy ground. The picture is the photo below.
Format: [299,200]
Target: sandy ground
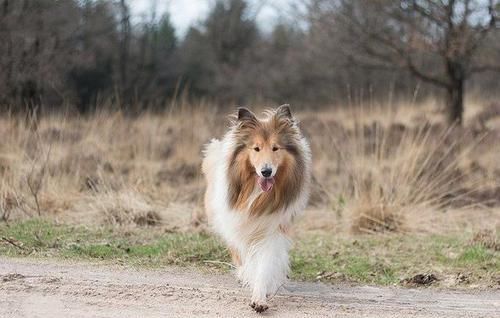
[32,288]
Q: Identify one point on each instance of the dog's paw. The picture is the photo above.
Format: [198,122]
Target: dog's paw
[259,307]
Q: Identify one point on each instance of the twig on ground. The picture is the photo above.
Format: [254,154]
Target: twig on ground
[13,243]
[276,292]
[219,262]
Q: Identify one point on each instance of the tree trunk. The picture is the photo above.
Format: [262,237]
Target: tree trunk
[455,93]
[455,102]
[5,7]
[124,50]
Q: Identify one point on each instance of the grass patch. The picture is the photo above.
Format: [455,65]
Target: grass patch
[387,259]
[475,255]
[153,248]
[382,260]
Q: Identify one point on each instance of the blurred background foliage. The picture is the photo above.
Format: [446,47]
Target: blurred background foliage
[78,55]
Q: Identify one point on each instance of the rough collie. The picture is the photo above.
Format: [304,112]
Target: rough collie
[258,179]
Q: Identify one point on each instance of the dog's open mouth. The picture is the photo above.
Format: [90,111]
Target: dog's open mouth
[266,184]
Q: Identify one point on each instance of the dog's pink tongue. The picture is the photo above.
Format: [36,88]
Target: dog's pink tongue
[266,184]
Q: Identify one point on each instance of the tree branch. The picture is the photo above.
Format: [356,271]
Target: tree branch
[425,77]
[370,65]
[403,52]
[484,68]
[482,32]
[428,14]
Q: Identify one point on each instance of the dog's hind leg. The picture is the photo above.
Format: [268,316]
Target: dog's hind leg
[235,256]
[238,264]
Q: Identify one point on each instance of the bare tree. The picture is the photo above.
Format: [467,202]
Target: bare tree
[437,41]
[125,30]
[86,53]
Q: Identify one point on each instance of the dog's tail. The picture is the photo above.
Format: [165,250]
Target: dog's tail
[211,152]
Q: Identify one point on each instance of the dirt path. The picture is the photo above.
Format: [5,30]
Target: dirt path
[31,288]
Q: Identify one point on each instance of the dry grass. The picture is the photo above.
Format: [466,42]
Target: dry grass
[107,168]
[397,173]
[395,170]
[377,169]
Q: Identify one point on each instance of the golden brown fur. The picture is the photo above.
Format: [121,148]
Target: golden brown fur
[235,256]
[278,129]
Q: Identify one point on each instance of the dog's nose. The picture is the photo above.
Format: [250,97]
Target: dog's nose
[266,172]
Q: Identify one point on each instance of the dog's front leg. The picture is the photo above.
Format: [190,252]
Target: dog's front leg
[266,268]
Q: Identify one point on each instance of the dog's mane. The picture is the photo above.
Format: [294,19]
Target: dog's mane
[290,176]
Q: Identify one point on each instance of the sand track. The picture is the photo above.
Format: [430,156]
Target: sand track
[33,288]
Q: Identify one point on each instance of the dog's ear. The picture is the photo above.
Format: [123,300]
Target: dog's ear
[244,114]
[284,112]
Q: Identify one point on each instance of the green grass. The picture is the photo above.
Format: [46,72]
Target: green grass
[153,248]
[368,259]
[388,259]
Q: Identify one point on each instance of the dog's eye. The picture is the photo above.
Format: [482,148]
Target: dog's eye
[256,149]
[275,148]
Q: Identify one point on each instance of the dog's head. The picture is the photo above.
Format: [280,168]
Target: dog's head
[267,145]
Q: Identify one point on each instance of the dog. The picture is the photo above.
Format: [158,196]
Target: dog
[258,179]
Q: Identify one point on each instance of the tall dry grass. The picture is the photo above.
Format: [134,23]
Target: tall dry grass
[394,169]
[380,168]
[397,174]
[108,168]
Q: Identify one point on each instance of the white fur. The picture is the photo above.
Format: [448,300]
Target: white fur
[265,263]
